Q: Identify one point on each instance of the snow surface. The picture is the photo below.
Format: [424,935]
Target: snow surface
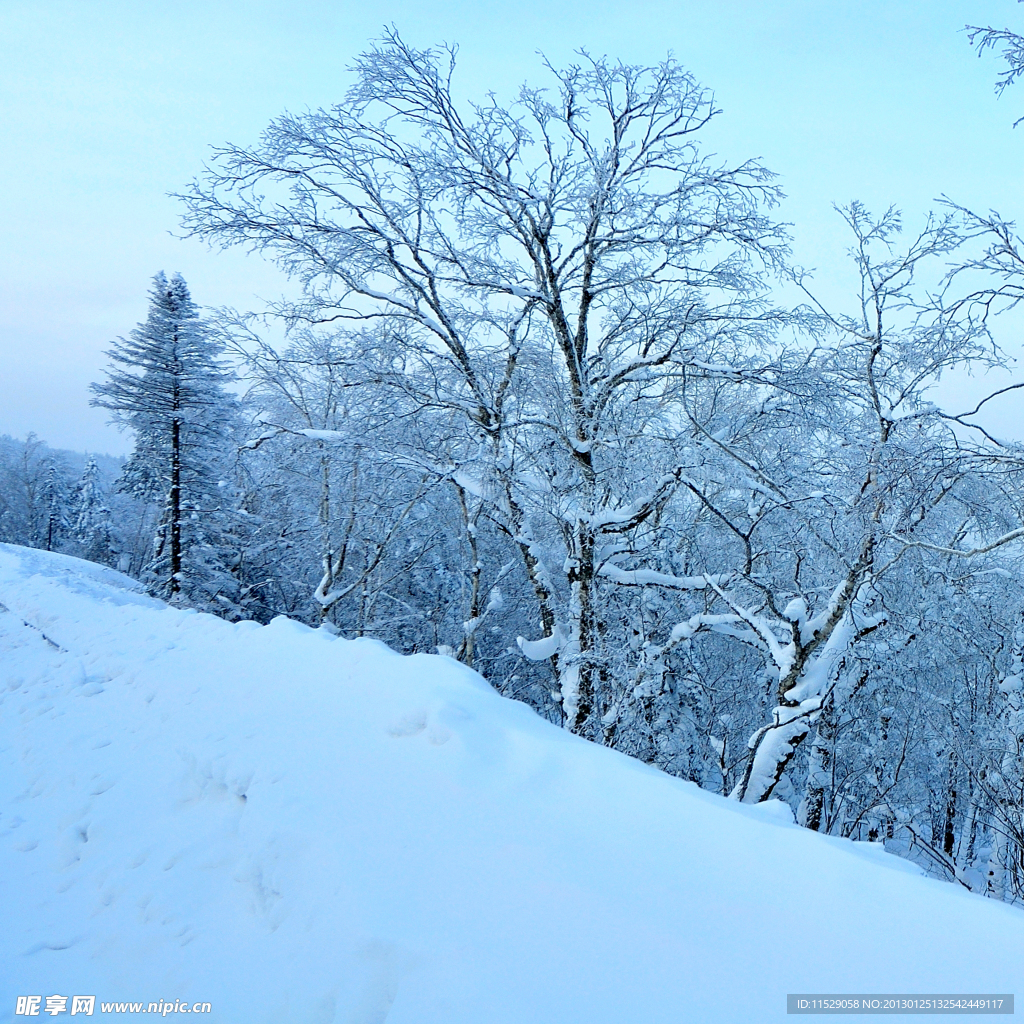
[299,828]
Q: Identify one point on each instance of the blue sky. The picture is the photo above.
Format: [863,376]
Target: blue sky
[106,106]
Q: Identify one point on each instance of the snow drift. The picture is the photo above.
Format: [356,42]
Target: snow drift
[299,828]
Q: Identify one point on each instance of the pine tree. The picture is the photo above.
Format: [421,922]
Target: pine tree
[55,507]
[168,386]
[92,525]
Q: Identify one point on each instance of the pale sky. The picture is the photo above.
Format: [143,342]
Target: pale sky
[107,105]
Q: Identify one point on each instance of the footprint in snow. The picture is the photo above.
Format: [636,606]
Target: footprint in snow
[409,725]
[414,724]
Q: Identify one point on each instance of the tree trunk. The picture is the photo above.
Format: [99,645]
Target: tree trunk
[812,811]
[948,832]
[583,626]
[327,585]
[175,583]
[466,650]
[996,875]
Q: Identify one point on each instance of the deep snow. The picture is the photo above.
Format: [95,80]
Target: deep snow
[299,828]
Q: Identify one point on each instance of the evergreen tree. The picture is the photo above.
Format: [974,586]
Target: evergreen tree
[55,521]
[168,386]
[92,525]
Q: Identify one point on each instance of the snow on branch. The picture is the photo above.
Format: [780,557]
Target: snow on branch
[541,650]
[772,746]
[275,430]
[647,577]
[959,552]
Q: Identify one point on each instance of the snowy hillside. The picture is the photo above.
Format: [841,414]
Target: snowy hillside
[298,828]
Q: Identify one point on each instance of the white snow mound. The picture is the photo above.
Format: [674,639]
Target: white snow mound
[298,828]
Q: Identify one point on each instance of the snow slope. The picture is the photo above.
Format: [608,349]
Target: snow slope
[298,828]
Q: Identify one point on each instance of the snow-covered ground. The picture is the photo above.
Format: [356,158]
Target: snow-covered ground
[298,828]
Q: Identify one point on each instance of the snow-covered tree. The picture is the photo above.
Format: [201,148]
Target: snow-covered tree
[367,506]
[92,524]
[56,504]
[548,271]
[167,386]
[874,471]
